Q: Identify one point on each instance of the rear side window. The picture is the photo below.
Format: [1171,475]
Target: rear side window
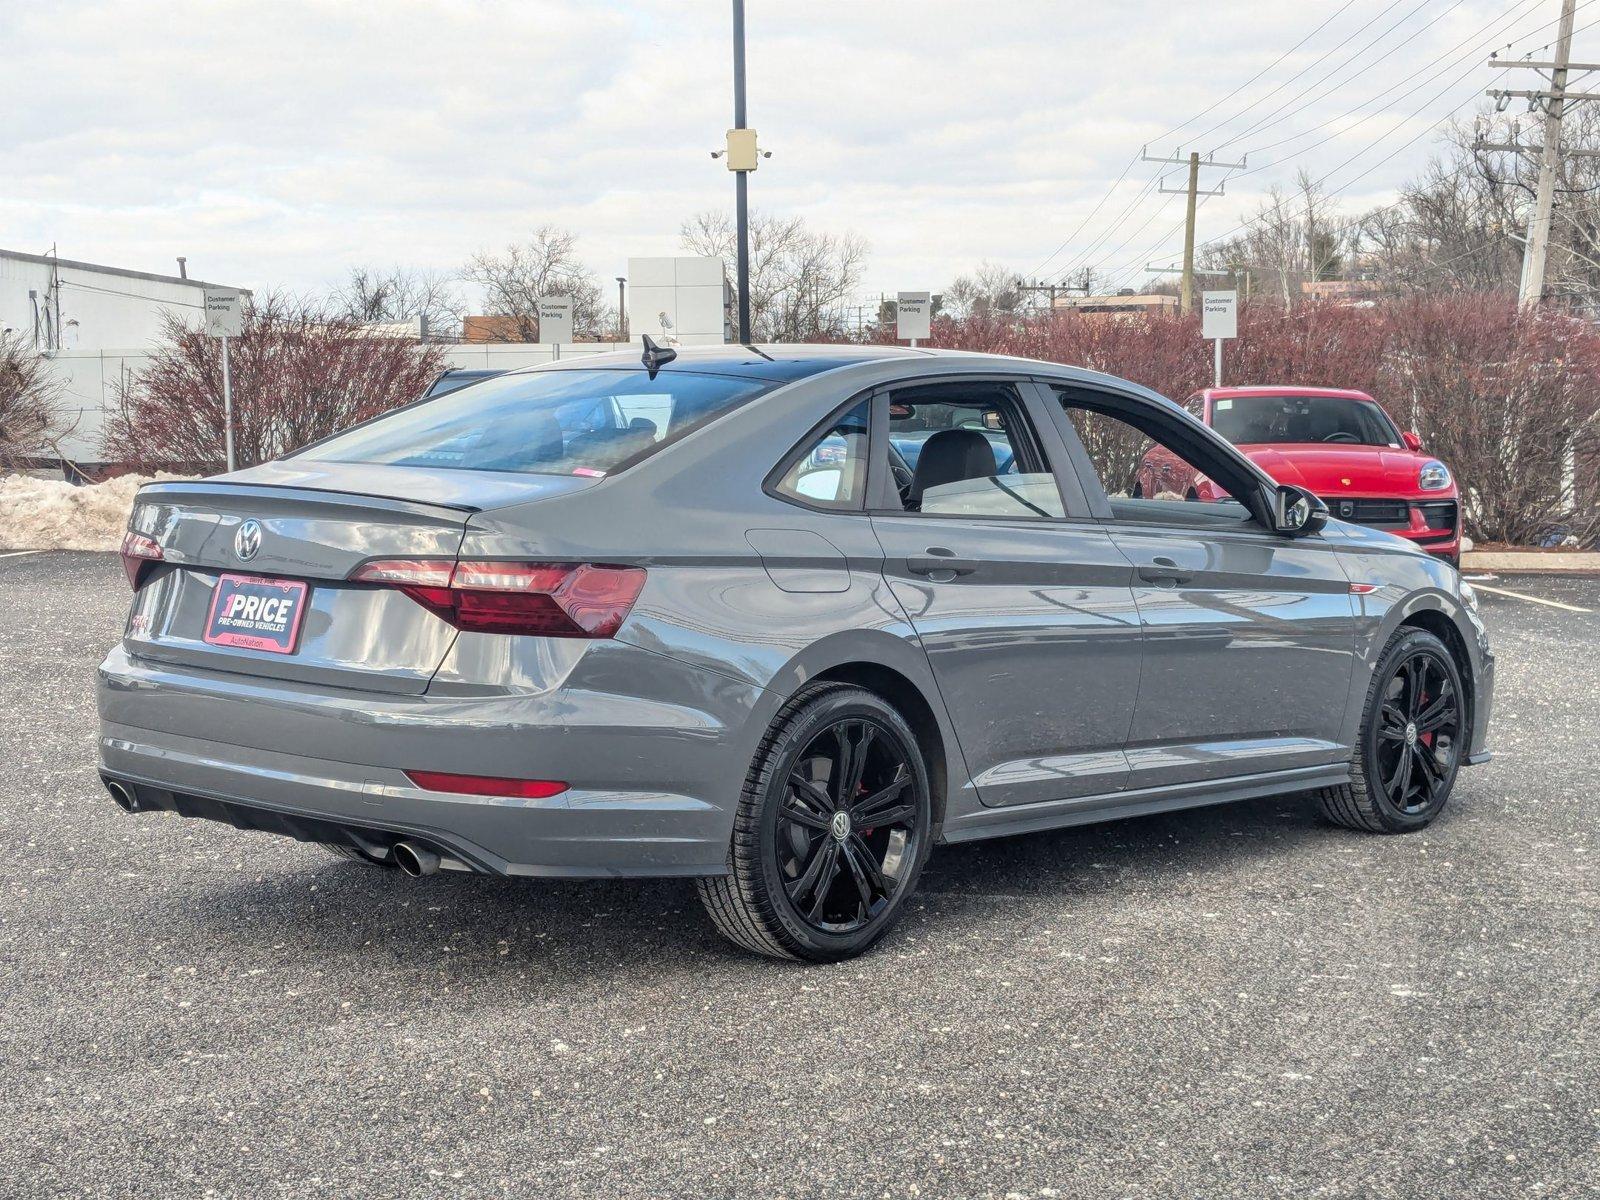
[831,471]
[546,422]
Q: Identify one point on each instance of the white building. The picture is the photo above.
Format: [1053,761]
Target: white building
[96,324]
[681,301]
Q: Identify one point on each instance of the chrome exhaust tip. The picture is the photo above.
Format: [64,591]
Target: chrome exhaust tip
[414,860]
[123,795]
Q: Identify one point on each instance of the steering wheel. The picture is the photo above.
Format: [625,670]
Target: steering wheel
[903,475]
[1340,435]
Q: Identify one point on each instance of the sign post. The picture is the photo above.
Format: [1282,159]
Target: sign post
[1219,320]
[555,322]
[913,315]
[225,319]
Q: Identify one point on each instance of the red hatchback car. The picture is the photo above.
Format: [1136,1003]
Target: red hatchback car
[1339,444]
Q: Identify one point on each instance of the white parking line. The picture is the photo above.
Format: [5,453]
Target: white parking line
[20,553]
[1532,599]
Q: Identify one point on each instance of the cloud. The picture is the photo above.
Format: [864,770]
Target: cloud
[277,145]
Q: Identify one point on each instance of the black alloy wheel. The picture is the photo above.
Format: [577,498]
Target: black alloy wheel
[831,832]
[845,826]
[1413,735]
[1418,732]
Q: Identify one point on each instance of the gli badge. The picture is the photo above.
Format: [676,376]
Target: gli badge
[247,542]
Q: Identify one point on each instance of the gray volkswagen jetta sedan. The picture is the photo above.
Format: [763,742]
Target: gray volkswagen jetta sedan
[776,618]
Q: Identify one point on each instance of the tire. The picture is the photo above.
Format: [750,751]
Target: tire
[359,856]
[1369,801]
[785,831]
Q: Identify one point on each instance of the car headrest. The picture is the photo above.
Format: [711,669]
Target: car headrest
[949,456]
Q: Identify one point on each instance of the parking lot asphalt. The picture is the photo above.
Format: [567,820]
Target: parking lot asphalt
[1236,1001]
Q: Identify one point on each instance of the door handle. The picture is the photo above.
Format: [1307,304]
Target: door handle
[1165,573]
[939,561]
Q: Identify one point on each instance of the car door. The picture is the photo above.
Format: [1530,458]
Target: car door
[1250,639]
[1021,601]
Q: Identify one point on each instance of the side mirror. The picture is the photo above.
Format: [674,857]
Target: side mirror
[1412,441]
[1296,512]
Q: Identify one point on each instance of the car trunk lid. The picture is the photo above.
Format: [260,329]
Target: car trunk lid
[315,530]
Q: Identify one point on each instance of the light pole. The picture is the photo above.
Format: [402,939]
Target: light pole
[622,308]
[741,176]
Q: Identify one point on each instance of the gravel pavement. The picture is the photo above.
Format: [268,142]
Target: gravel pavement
[1228,1002]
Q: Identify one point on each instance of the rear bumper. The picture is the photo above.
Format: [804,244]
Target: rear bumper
[647,776]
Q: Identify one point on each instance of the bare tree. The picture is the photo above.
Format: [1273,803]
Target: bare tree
[1459,227]
[991,290]
[372,296]
[30,414]
[547,264]
[1295,238]
[801,280]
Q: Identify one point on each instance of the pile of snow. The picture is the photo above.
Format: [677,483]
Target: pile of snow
[51,514]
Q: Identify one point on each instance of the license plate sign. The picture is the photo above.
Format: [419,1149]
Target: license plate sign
[252,613]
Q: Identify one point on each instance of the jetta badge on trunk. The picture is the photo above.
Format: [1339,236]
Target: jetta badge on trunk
[247,542]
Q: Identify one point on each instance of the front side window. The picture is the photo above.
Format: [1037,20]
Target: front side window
[1144,476]
[967,450]
[1277,420]
[831,471]
[545,422]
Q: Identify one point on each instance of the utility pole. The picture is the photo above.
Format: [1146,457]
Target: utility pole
[1194,162]
[1549,164]
[1553,103]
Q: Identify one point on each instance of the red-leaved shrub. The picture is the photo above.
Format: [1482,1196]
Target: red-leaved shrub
[296,376]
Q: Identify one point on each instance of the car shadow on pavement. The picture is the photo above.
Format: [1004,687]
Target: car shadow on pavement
[476,926]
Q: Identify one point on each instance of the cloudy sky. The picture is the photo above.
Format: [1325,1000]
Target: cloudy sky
[279,144]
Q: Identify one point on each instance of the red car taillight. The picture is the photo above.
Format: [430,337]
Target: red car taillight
[579,600]
[486,785]
[137,551]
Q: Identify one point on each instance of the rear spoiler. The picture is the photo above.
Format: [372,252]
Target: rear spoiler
[210,489]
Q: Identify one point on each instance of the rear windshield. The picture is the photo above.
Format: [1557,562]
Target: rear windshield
[545,423]
[1258,420]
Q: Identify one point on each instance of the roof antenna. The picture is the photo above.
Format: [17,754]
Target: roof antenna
[655,357]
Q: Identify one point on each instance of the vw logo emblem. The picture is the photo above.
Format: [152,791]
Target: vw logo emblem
[840,825]
[247,542]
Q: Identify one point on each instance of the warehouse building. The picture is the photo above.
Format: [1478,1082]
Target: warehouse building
[95,324]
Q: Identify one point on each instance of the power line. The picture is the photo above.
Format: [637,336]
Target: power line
[1082,225]
[1471,56]
[1316,62]
[1271,119]
[1264,70]
[1450,54]
[1086,254]
[1244,225]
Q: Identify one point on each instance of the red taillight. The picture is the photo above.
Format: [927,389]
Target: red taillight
[486,785]
[137,550]
[580,600]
